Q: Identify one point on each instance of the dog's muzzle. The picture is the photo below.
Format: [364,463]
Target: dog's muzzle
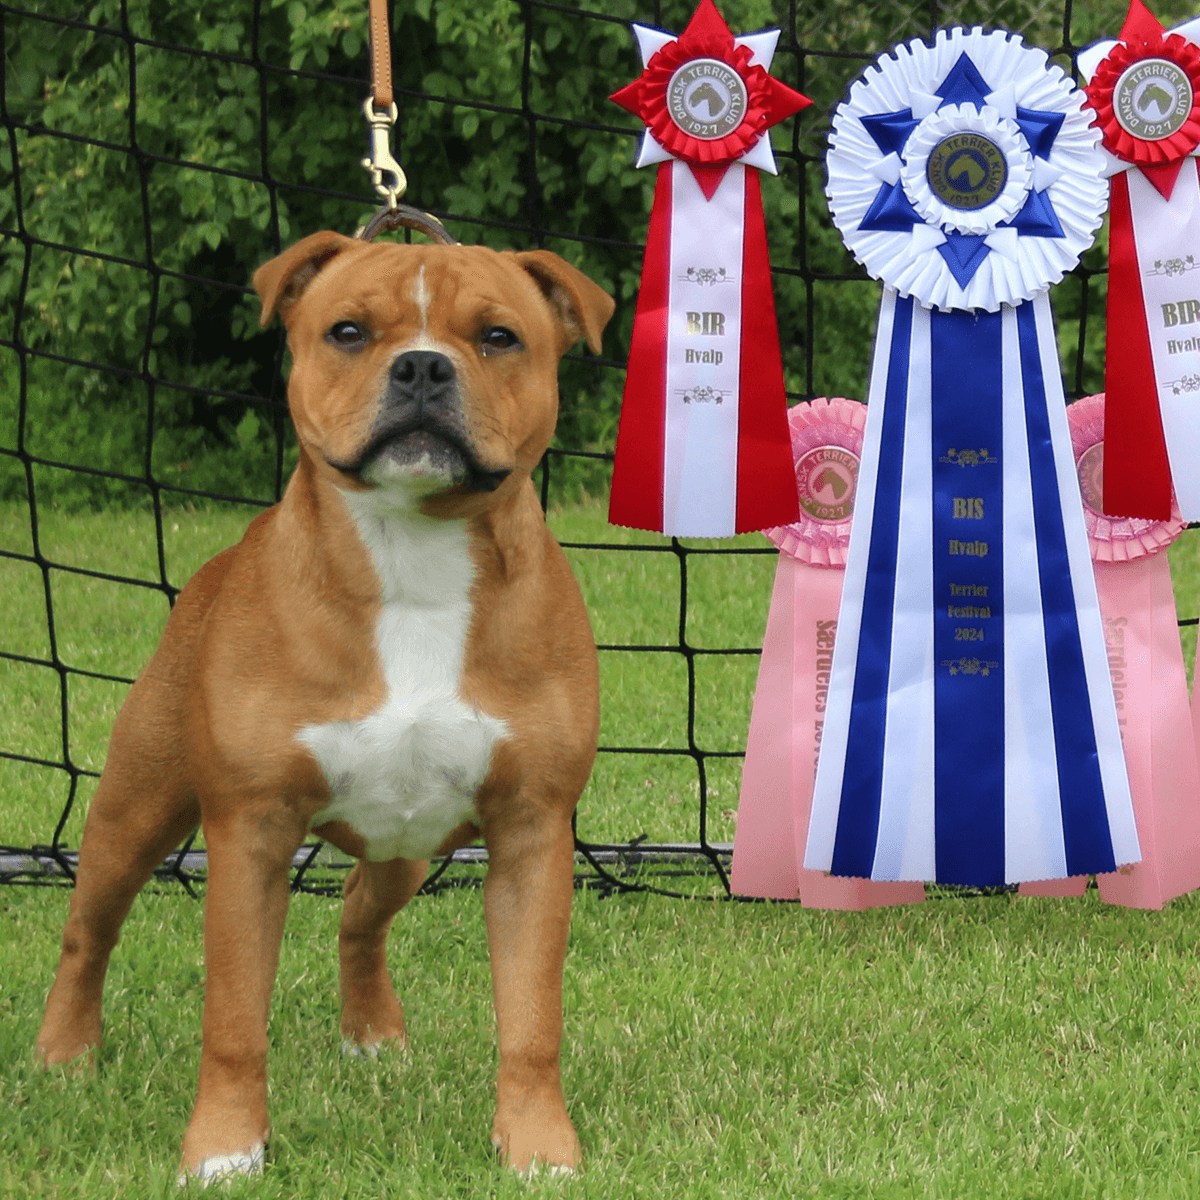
[421,428]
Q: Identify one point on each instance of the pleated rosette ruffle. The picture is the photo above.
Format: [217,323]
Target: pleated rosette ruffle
[1115,108]
[966,174]
[1145,91]
[827,438]
[970,735]
[702,446]
[1111,539]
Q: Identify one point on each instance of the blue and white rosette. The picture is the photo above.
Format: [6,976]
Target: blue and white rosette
[971,735]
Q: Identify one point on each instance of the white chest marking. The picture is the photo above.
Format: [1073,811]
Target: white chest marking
[407,774]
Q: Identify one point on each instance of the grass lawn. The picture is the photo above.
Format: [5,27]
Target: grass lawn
[962,1048]
[111,629]
[990,1048]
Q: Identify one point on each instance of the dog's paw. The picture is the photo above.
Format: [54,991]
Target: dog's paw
[552,1153]
[370,1047]
[227,1167]
[69,1052]
[554,1170]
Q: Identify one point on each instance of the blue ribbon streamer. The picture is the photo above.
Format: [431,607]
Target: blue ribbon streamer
[966,396]
[862,782]
[1086,835]
[967,389]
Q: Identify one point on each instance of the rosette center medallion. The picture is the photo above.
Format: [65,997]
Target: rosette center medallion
[966,170]
[1152,99]
[970,733]
[707,99]
[825,480]
[965,174]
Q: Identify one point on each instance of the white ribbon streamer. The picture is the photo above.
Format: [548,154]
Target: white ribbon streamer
[704,331]
[1171,292]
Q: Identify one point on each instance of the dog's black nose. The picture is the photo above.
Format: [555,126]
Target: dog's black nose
[419,370]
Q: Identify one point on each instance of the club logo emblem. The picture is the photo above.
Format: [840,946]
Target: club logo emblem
[966,170]
[1153,99]
[1091,478]
[826,479]
[707,99]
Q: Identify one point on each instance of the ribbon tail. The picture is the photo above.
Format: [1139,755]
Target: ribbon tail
[1138,604]
[764,862]
[766,483]
[636,499]
[971,735]
[1137,473]
[815,633]
[1077,791]
[843,827]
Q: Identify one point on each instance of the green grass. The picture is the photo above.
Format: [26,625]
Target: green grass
[993,1048]
[963,1048]
[633,599]
[112,629]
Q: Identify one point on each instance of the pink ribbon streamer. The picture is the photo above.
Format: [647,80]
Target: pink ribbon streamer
[789,701]
[1137,604]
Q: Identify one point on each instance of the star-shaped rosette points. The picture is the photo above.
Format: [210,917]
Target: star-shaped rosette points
[762,100]
[978,184]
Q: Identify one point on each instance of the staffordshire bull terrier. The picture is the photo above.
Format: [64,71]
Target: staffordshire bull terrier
[396,655]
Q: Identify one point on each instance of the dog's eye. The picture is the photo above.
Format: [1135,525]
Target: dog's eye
[496,340]
[348,335]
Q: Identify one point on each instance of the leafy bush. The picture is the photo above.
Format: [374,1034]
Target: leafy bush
[151,176]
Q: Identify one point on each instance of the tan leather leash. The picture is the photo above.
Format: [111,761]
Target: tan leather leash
[386,173]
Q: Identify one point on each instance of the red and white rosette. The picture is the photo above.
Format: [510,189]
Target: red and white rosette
[1145,91]
[702,448]
[793,677]
[1137,604]
[827,437]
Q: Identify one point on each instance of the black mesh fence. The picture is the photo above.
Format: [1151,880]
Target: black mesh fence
[153,155]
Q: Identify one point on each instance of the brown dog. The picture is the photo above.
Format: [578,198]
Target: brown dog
[396,654]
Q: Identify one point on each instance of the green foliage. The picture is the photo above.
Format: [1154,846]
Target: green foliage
[487,90]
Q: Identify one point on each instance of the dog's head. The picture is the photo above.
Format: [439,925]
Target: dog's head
[430,369]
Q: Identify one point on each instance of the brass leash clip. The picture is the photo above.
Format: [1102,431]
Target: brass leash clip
[381,164]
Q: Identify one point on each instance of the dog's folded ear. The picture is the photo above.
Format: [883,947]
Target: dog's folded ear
[281,282]
[581,307]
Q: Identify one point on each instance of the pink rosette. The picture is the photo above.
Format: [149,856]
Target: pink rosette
[827,438]
[1111,539]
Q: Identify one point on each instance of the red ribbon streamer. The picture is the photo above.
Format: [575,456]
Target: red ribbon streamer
[1137,474]
[766,484]
[637,487]
[1137,471]
[766,479]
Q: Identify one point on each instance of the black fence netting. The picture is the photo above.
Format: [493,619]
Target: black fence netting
[153,155]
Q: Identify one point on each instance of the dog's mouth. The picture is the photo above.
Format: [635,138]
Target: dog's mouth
[425,450]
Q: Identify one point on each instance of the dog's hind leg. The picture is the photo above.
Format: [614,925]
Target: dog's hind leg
[144,806]
[140,812]
[374,893]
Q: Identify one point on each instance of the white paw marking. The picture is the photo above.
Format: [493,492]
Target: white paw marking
[553,1170]
[227,1166]
[352,1049]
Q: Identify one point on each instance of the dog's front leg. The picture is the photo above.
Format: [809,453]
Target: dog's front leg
[527,899]
[249,854]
